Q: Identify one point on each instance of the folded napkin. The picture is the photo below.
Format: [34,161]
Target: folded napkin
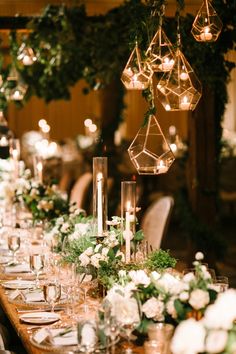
[33,296]
[57,336]
[18,268]
[63,337]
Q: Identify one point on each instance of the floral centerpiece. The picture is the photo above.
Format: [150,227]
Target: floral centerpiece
[45,202]
[164,296]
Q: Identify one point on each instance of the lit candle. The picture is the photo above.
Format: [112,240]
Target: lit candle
[17,96]
[184,104]
[166,65]
[183,76]
[99,203]
[15,157]
[162,168]
[39,168]
[206,34]
[127,233]
[136,84]
[27,60]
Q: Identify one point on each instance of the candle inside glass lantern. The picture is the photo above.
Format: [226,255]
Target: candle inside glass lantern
[206,34]
[99,203]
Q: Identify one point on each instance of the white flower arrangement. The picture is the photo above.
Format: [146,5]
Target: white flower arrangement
[214,333]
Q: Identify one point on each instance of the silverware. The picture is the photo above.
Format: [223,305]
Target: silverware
[47,309]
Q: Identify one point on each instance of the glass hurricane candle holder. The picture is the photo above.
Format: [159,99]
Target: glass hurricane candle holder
[15,155]
[100,195]
[38,168]
[128,214]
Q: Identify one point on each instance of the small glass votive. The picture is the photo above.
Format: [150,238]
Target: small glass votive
[160,332]
[154,347]
[221,283]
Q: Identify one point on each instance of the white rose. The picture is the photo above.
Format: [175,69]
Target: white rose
[188,338]
[139,277]
[223,312]
[89,251]
[126,310]
[199,299]
[184,296]
[95,259]
[65,227]
[84,260]
[79,211]
[59,221]
[170,308]
[105,251]
[216,341]
[74,236]
[153,308]
[155,275]
[82,228]
[199,256]
[189,277]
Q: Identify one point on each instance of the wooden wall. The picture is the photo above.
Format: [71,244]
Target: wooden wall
[66,117]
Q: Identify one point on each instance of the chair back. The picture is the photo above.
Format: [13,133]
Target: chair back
[80,188]
[155,221]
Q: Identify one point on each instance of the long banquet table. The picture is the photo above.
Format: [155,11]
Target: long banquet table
[24,331]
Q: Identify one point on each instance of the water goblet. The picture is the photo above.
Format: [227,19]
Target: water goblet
[36,262]
[129,321]
[52,293]
[14,245]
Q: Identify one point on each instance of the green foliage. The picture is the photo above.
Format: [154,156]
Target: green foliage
[160,259]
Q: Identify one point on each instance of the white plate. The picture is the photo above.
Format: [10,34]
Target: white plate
[40,317]
[18,284]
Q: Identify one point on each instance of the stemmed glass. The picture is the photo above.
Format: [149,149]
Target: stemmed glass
[14,245]
[87,283]
[129,321]
[36,265]
[52,293]
[112,330]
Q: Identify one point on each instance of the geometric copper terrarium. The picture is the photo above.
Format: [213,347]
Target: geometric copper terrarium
[14,87]
[136,74]
[160,52]
[179,89]
[149,151]
[207,24]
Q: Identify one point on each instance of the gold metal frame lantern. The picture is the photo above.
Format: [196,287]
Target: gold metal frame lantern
[180,88]
[137,74]
[160,53]
[149,151]
[207,24]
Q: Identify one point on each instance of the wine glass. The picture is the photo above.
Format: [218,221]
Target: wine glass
[87,283]
[129,320]
[112,330]
[36,265]
[52,293]
[14,245]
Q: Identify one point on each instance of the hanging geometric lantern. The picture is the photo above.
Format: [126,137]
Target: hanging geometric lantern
[149,151]
[160,52]
[26,55]
[207,24]
[137,74]
[180,88]
[14,88]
